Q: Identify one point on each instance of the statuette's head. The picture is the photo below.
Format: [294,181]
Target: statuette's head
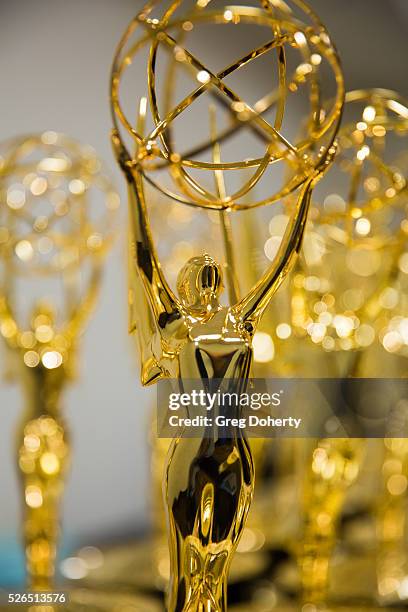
[199,283]
[58,213]
[283,131]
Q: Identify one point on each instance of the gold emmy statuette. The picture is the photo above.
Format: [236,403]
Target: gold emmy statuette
[353,247]
[358,217]
[56,217]
[186,332]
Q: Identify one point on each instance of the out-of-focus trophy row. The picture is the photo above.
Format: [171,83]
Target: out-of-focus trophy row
[248,169]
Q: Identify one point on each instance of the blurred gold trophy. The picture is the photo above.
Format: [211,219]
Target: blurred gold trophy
[353,246]
[362,223]
[209,482]
[56,218]
[391,524]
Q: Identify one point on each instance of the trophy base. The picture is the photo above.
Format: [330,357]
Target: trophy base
[299,607]
[134,577]
[353,587]
[145,566]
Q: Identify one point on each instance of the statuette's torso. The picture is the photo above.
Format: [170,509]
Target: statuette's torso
[216,346]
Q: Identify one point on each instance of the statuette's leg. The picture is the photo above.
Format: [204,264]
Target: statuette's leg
[42,459]
[208,490]
[334,467]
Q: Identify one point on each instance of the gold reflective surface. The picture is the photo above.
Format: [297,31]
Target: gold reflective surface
[190,334]
[54,236]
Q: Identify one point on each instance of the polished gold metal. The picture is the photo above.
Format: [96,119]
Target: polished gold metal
[54,234]
[209,482]
[197,338]
[391,523]
[334,467]
[293,26]
[354,241]
[358,231]
[392,321]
